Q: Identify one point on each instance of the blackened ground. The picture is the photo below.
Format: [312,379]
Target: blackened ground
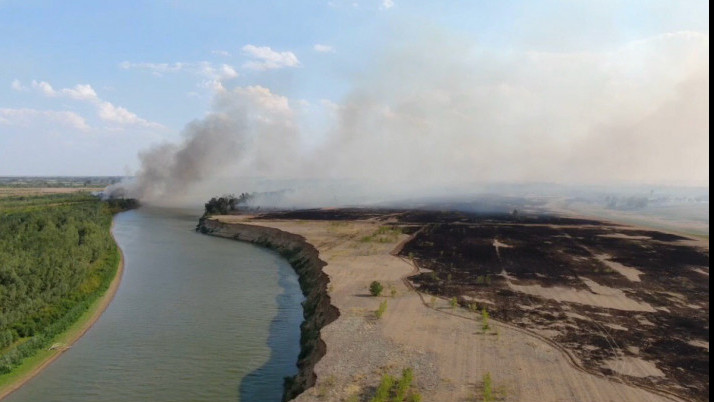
[344,214]
[465,264]
[459,251]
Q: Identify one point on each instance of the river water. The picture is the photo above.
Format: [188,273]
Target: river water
[196,318]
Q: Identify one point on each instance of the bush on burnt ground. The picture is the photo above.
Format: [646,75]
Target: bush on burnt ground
[226,203]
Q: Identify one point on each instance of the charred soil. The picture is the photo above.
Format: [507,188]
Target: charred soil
[625,303]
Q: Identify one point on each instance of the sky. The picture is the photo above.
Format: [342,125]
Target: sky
[559,91]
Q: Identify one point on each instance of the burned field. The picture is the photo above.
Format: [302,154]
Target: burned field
[624,303]
[631,304]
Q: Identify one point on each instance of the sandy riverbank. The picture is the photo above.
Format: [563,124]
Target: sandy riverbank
[447,349]
[35,364]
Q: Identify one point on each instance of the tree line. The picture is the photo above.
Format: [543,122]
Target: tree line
[56,257]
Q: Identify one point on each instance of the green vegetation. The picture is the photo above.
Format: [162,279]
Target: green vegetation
[56,257]
[486,391]
[384,389]
[382,308]
[392,290]
[375,288]
[385,234]
[324,387]
[487,388]
[484,319]
[59,182]
[392,389]
[483,280]
[33,202]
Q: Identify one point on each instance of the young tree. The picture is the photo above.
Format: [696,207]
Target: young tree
[375,288]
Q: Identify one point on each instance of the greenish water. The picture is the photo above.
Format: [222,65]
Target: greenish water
[196,318]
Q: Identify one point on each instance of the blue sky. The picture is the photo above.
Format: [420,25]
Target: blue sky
[86,85]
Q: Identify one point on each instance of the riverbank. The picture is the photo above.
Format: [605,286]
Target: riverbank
[446,347]
[318,310]
[32,366]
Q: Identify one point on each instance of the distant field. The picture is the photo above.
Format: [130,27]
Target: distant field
[34,186]
[57,184]
[34,191]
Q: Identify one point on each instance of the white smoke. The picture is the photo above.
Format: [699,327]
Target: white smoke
[439,114]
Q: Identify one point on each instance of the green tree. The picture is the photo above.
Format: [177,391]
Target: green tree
[375,288]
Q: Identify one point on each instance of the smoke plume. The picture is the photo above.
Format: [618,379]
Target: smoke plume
[439,114]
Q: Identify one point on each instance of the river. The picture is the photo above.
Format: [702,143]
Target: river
[196,318]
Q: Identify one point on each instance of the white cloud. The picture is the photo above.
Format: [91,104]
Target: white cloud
[323,48]
[106,110]
[226,71]
[117,114]
[157,68]
[44,87]
[203,69]
[268,59]
[26,117]
[267,100]
[80,92]
[17,85]
[329,105]
[213,85]
[387,4]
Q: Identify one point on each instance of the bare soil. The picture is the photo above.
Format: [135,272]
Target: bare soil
[600,302]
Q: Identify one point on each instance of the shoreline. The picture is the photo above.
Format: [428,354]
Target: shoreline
[73,334]
[318,308]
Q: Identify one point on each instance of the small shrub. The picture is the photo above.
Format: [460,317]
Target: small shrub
[454,302]
[404,384]
[393,291]
[375,288]
[382,308]
[484,319]
[487,388]
[385,386]
[393,389]
[483,280]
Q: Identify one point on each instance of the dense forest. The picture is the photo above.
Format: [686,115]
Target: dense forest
[56,257]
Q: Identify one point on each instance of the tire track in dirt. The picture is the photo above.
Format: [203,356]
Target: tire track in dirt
[572,360]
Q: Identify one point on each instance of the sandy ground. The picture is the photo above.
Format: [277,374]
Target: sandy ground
[448,348]
[101,306]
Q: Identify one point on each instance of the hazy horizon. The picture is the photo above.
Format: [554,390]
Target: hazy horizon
[402,98]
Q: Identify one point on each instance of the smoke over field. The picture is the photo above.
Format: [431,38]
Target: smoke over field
[436,113]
